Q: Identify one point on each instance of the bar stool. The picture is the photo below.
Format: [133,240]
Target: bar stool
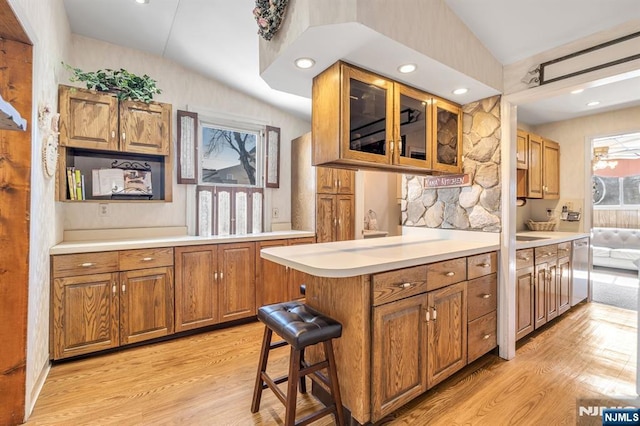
[300,326]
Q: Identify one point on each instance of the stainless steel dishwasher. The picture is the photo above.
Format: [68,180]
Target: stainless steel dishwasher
[581,282]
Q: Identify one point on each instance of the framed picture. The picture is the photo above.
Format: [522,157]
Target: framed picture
[273,157]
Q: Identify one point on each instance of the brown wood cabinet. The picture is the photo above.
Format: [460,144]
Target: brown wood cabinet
[482,304]
[363,120]
[335,181]
[104,300]
[214,284]
[564,279]
[399,358]
[525,293]
[335,217]
[538,166]
[125,131]
[277,283]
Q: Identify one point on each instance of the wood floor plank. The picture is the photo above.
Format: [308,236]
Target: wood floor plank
[207,379]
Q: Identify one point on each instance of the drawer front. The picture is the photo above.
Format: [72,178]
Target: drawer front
[482,264]
[481,336]
[398,284]
[146,258]
[564,249]
[546,253]
[68,265]
[524,258]
[444,273]
[481,296]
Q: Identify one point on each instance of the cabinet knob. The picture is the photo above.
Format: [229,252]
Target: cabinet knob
[123,136]
[215,275]
[87,264]
[124,288]
[435,313]
[405,285]
[147,259]
[426,314]
[486,336]
[450,274]
[484,265]
[221,275]
[113,133]
[486,296]
[114,288]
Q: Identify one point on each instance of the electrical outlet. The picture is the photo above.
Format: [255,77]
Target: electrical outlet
[103,210]
[275,213]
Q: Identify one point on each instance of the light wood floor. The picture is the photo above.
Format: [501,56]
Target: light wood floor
[207,379]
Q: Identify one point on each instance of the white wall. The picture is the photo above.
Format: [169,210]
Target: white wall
[381,195]
[183,89]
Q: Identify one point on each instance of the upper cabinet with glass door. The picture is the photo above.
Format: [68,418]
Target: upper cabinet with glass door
[363,121]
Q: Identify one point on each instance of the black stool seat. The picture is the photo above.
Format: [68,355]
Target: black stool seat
[298,324]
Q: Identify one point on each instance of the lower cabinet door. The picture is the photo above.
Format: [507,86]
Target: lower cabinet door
[525,295]
[85,314]
[540,299]
[482,336]
[447,351]
[552,291]
[146,304]
[564,285]
[399,353]
[237,281]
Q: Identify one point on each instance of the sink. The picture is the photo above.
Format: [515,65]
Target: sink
[529,238]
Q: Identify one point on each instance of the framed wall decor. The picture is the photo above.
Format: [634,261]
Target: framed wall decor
[273,157]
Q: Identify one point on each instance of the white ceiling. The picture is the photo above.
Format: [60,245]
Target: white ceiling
[218,38]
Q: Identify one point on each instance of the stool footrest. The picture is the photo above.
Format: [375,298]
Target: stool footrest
[315,416]
[279,344]
[274,387]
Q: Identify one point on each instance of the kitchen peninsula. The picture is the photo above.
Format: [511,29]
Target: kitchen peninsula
[414,310]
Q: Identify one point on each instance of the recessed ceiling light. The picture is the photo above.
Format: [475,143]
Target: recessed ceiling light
[460,91]
[407,68]
[593,103]
[575,92]
[304,63]
[142,1]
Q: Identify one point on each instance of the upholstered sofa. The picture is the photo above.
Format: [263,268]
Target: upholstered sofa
[615,247]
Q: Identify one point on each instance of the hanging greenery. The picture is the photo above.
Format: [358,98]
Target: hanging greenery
[125,85]
[268,14]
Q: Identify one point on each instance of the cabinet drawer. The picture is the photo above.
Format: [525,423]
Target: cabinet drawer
[146,258]
[546,253]
[564,249]
[444,273]
[481,296]
[398,284]
[482,264]
[481,336]
[67,265]
[524,258]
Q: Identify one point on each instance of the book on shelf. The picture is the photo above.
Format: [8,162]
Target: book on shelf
[125,182]
[75,184]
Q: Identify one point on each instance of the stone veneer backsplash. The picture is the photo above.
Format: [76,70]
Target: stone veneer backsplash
[475,207]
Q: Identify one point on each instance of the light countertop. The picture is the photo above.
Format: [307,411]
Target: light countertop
[547,237]
[87,246]
[360,257]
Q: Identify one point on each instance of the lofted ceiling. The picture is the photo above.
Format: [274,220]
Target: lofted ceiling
[218,39]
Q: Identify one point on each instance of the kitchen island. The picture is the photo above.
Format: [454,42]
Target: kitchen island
[414,310]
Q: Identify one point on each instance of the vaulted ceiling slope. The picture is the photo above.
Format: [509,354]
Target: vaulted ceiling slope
[218,38]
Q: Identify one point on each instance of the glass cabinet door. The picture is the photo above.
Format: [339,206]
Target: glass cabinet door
[447,139]
[412,127]
[367,112]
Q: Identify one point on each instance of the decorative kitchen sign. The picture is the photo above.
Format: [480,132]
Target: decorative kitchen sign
[447,181]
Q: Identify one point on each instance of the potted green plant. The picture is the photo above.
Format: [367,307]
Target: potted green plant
[125,85]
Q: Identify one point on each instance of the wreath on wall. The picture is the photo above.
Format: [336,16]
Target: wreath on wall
[268,14]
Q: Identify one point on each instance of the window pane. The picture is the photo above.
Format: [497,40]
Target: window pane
[229,156]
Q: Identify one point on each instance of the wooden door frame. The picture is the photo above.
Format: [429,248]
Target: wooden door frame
[16,86]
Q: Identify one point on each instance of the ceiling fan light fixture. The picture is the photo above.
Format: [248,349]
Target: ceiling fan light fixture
[304,63]
[407,68]
[460,91]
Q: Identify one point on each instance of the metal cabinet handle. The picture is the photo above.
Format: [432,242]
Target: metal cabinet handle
[426,314]
[486,296]
[405,285]
[450,274]
[87,264]
[124,288]
[338,185]
[113,133]
[114,288]
[335,183]
[486,336]
[484,265]
[435,313]
[215,275]
[525,258]
[221,275]
[123,135]
[147,259]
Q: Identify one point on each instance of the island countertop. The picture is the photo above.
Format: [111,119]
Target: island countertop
[360,257]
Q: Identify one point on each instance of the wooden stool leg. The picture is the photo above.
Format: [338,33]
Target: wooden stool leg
[292,388]
[335,385]
[303,381]
[262,367]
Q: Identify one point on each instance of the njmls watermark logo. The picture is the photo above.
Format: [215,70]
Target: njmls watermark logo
[608,412]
